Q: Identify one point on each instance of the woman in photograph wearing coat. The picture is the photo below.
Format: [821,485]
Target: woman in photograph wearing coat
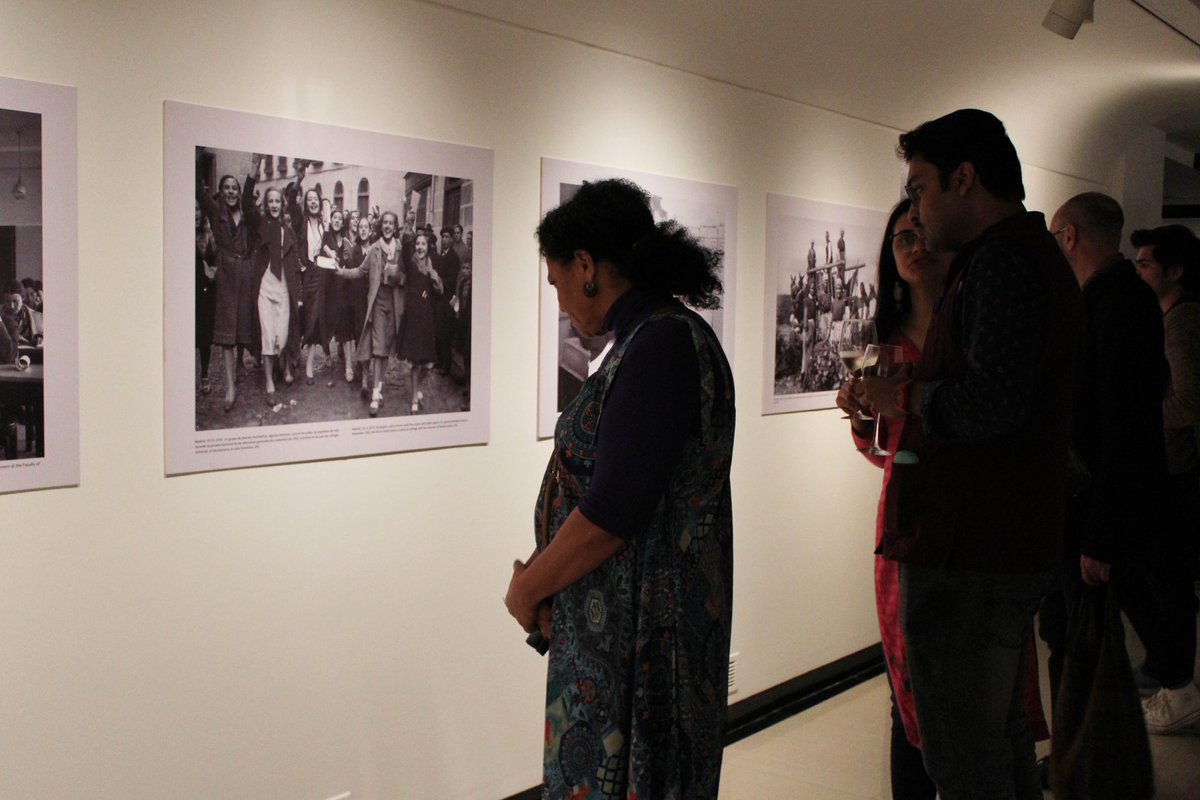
[276,260]
[234,322]
[309,228]
[338,244]
[206,295]
[385,303]
[418,344]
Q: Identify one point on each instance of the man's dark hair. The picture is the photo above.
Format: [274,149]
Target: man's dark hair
[1173,246]
[13,287]
[27,283]
[1096,213]
[968,135]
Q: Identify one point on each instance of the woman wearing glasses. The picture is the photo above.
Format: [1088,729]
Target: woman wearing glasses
[910,281]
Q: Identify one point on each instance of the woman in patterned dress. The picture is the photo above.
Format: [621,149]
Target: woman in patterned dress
[631,580]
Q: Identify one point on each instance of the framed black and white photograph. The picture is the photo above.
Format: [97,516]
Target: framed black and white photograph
[822,272]
[340,286]
[707,210]
[39,257]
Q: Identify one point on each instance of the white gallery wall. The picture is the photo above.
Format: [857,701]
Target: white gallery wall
[318,629]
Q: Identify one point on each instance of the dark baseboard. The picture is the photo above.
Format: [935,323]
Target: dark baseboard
[760,711]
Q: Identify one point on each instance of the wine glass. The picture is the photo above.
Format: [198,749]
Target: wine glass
[855,346]
[852,344]
[889,360]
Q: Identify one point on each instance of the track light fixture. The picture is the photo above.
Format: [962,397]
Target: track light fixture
[1066,16]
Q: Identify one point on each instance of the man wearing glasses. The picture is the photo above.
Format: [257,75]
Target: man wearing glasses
[974,511]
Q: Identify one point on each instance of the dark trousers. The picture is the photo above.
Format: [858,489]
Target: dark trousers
[910,781]
[1155,588]
[1169,591]
[965,633]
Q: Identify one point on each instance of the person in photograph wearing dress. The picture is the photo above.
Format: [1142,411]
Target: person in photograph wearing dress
[234,322]
[355,288]
[206,296]
[310,235]
[631,583]
[385,303]
[276,257]
[336,245]
[418,342]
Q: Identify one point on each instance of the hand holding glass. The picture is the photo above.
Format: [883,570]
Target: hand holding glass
[889,361]
[855,348]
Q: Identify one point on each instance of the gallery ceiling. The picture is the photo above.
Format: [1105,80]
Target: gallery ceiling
[1071,105]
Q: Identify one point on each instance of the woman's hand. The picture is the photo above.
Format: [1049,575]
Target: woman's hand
[846,399]
[526,613]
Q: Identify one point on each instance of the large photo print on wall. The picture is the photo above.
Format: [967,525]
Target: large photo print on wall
[39,253]
[822,273]
[709,213]
[341,284]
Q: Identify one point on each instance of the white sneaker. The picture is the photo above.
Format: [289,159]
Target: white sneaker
[1170,710]
[376,401]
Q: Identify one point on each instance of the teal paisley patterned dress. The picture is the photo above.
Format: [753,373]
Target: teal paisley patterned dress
[639,652]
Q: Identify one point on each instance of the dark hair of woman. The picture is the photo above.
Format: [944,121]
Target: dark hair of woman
[221,185]
[611,220]
[895,297]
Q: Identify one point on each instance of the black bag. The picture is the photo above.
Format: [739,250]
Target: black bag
[1099,750]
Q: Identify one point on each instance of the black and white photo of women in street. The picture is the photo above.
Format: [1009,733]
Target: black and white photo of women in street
[328,291]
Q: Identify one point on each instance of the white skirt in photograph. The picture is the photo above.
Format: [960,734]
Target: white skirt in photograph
[274,312]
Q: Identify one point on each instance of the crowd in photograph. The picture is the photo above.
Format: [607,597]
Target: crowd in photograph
[296,284]
[819,302]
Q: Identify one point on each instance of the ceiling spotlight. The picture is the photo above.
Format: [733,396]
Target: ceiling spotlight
[1066,16]
[19,191]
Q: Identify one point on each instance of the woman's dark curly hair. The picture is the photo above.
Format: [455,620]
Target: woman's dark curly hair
[611,220]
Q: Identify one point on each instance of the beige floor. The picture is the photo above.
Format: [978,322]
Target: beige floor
[838,750]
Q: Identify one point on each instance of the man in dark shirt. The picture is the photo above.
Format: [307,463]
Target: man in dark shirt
[1114,516]
[1168,260]
[974,507]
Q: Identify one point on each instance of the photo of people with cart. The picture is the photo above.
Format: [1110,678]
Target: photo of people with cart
[822,279]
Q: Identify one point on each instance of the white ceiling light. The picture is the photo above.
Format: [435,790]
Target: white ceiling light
[1066,16]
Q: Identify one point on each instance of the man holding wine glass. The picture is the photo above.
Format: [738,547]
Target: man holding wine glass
[974,506]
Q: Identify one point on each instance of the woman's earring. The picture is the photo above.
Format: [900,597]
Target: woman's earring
[897,292]
[590,289]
